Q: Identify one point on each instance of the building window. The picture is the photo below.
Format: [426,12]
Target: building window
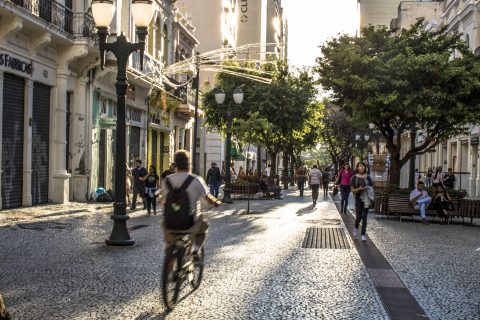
[165,44]
[103,108]
[114,109]
[134,114]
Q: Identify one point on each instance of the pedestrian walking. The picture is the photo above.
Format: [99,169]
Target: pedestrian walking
[151,186]
[437,177]
[315,178]
[343,180]
[362,188]
[169,171]
[214,178]
[326,176]
[139,175]
[301,179]
[428,177]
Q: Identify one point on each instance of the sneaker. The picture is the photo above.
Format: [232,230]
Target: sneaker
[425,222]
[355,232]
[364,238]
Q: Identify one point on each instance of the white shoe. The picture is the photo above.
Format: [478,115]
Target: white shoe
[355,232]
[364,238]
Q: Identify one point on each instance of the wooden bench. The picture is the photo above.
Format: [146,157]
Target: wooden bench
[470,208]
[400,205]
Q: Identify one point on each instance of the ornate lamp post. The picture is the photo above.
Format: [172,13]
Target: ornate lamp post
[228,113]
[142,12]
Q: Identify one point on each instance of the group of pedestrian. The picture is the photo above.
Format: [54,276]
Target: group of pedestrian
[436,177]
[316,177]
[145,184]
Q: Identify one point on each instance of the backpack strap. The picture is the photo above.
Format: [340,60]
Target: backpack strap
[187,182]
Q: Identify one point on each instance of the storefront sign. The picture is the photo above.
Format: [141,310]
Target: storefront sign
[14,63]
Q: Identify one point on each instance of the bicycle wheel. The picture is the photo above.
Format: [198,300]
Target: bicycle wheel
[197,271]
[170,276]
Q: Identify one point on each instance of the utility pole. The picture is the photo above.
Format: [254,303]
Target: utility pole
[195,124]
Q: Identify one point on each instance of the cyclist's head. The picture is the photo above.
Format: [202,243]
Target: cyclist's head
[182,159]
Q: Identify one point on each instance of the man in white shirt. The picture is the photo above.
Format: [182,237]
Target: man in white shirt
[314,181]
[420,200]
[267,171]
[197,191]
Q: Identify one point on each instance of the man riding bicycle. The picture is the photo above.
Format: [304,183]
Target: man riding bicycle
[195,188]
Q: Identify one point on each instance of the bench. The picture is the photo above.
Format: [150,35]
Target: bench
[400,205]
[470,208]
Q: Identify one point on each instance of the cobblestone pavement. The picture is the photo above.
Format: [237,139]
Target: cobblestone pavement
[255,268]
[440,264]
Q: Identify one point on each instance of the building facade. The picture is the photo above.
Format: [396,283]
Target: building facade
[377,12]
[46,58]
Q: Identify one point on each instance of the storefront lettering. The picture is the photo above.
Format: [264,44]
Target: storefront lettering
[244,10]
[15,64]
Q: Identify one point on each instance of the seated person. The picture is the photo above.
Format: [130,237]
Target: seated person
[274,189]
[420,200]
[442,202]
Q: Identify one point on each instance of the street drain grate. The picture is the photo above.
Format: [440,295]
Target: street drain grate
[385,278]
[139,226]
[326,238]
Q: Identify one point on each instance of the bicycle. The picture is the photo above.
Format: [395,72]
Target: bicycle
[178,267]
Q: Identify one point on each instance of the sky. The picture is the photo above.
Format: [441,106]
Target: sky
[312,22]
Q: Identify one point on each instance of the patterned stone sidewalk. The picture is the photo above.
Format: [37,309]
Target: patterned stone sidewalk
[255,268]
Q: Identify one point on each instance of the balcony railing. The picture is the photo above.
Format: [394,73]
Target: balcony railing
[151,66]
[73,24]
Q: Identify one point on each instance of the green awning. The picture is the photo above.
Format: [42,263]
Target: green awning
[235,154]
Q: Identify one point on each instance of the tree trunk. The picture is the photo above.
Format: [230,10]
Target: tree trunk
[273,163]
[259,162]
[285,178]
[293,166]
[395,167]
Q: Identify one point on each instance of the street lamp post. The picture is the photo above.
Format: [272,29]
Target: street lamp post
[228,113]
[103,11]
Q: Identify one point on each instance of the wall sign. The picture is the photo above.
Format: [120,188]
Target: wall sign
[15,63]
[244,10]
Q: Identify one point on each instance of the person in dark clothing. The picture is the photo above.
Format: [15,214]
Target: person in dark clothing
[359,184]
[325,181]
[442,202]
[169,171]
[139,175]
[449,179]
[214,178]
[151,187]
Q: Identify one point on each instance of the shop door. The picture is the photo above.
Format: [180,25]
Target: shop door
[101,159]
[134,144]
[40,145]
[154,149]
[162,152]
[12,141]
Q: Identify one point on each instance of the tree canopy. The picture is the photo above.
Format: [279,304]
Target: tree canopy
[287,104]
[410,80]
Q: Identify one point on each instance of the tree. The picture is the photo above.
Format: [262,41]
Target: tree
[284,103]
[412,81]
[338,135]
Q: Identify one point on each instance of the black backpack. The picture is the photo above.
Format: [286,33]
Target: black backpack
[177,213]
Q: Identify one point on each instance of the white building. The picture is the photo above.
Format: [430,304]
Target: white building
[46,58]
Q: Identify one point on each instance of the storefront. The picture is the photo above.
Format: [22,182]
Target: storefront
[25,105]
